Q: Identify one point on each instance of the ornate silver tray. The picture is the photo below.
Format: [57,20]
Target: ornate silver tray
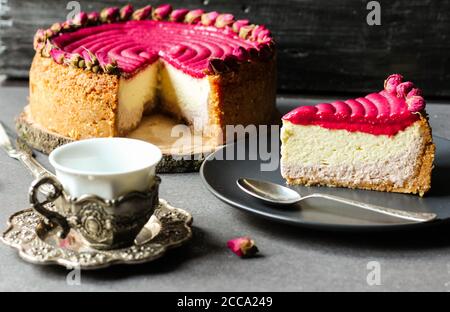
[37,242]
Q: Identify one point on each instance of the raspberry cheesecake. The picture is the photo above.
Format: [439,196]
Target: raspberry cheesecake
[378,142]
[98,74]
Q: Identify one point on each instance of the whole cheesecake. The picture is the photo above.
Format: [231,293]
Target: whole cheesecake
[98,74]
[378,142]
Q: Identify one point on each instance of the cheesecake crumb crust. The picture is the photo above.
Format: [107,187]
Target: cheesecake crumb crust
[81,104]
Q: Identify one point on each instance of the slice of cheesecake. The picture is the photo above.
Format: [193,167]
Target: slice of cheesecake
[378,142]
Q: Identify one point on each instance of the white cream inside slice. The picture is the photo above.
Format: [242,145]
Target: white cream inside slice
[319,154]
[179,94]
[136,94]
[184,96]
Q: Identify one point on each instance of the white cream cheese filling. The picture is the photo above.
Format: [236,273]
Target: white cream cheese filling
[317,153]
[179,94]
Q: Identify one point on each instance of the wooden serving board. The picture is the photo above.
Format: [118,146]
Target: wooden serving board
[182,153]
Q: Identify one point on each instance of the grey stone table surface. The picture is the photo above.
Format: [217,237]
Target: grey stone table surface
[292,259]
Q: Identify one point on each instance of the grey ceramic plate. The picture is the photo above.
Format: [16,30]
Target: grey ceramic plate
[220,178]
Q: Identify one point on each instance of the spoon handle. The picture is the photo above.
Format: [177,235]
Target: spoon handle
[402,214]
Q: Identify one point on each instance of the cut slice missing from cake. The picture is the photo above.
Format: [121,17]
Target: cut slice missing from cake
[97,74]
[378,142]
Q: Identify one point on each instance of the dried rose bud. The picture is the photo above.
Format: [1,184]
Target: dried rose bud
[178,15]
[89,58]
[58,55]
[259,29]
[142,13]
[56,27]
[224,20]
[126,12]
[391,82]
[39,38]
[110,15]
[404,88]
[67,25]
[107,64]
[243,246]
[246,31]
[414,91]
[209,18]
[238,24]
[102,58]
[415,103]
[46,48]
[93,17]
[95,69]
[162,12]
[80,19]
[193,16]
[49,33]
[73,59]
[111,68]
[265,41]
[263,35]
[38,46]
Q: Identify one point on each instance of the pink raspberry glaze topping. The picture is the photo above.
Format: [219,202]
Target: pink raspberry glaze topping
[122,41]
[134,44]
[384,113]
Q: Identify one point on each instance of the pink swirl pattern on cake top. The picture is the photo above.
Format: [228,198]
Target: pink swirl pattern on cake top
[128,40]
[384,113]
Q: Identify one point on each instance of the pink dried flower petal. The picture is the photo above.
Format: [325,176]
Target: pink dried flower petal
[242,246]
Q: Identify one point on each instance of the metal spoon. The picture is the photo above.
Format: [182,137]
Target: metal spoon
[278,194]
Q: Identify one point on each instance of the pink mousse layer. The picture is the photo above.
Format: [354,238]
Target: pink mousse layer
[134,44]
[380,113]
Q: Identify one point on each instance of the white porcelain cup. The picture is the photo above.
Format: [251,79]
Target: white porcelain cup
[107,167]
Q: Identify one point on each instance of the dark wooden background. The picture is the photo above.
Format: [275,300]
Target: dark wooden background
[324,45]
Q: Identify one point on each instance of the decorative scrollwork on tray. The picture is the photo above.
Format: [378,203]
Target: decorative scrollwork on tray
[27,229]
